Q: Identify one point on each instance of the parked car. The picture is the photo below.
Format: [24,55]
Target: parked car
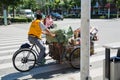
[57,16]
[27,12]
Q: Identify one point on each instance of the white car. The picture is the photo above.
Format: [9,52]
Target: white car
[29,15]
[27,12]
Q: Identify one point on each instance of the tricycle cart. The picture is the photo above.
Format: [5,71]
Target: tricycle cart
[65,48]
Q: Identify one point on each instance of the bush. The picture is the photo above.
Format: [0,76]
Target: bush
[71,16]
[16,19]
[29,19]
[102,17]
[2,21]
[20,20]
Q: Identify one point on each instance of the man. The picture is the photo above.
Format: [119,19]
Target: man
[39,12]
[36,30]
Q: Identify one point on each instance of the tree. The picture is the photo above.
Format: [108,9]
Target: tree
[5,4]
[29,4]
[118,7]
[104,2]
[68,4]
[109,10]
[77,2]
[93,2]
[56,4]
[14,4]
[61,5]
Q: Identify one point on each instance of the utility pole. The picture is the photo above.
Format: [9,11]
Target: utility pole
[85,40]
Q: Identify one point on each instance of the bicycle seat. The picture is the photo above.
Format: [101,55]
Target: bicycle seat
[25,45]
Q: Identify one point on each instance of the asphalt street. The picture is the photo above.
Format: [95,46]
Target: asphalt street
[12,36]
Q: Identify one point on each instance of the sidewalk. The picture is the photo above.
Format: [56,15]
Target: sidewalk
[94,74]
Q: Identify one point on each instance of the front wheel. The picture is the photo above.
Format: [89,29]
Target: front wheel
[24,60]
[75,58]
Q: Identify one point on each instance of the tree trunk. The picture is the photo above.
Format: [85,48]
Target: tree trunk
[117,12]
[13,11]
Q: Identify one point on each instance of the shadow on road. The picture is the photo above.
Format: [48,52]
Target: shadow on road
[13,76]
[41,72]
[54,74]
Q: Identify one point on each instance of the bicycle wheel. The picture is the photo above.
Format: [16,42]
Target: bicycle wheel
[75,58]
[24,60]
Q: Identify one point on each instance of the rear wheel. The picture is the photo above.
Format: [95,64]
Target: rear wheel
[24,60]
[75,58]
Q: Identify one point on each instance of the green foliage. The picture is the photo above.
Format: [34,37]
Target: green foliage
[61,36]
[102,17]
[72,16]
[57,1]
[77,2]
[29,4]
[117,3]
[15,20]
[109,1]
[93,2]
[11,2]
[69,32]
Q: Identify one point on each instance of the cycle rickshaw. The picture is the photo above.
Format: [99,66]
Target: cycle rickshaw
[63,48]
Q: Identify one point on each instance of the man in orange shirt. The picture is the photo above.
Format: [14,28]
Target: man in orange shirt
[36,30]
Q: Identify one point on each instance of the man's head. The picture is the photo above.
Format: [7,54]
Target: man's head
[38,16]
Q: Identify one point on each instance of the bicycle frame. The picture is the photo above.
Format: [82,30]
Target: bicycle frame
[36,51]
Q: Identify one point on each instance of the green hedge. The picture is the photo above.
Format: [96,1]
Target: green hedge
[71,16]
[92,16]
[20,20]
[104,16]
[17,19]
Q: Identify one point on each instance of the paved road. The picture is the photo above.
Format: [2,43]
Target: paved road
[12,36]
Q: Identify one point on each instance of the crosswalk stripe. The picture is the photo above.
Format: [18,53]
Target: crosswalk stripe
[12,38]
[6,65]
[6,57]
[8,51]
[9,65]
[9,44]
[9,47]
[9,41]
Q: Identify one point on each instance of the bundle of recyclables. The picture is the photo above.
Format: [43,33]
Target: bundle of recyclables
[57,44]
[67,38]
